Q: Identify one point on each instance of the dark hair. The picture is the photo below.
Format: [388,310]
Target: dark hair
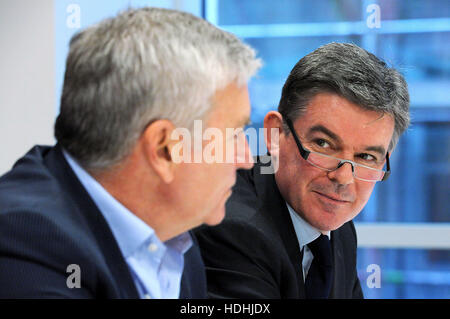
[352,73]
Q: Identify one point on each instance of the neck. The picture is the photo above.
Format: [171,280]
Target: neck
[138,189]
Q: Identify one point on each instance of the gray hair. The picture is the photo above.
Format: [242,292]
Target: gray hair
[353,73]
[143,65]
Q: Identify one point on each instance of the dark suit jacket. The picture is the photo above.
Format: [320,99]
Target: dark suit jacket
[48,221]
[254,252]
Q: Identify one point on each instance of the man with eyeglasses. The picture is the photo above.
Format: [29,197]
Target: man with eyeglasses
[290,234]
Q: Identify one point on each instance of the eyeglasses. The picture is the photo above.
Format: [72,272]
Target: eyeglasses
[330,163]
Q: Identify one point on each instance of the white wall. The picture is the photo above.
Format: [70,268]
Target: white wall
[27,72]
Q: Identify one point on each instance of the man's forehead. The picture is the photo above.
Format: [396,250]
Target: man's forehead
[333,108]
[377,119]
[343,120]
[231,106]
[322,122]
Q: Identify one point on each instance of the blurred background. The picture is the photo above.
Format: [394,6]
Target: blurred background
[404,231]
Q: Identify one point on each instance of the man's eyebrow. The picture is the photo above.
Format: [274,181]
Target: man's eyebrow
[322,129]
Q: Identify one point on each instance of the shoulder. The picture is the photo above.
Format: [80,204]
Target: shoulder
[37,255]
[239,239]
[240,248]
[30,195]
[42,232]
[245,202]
[248,218]
[347,234]
[245,258]
[29,184]
[344,239]
[246,223]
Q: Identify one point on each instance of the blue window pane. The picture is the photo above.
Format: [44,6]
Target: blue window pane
[287,11]
[413,9]
[424,59]
[417,190]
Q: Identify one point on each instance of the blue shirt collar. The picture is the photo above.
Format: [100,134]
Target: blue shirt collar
[129,231]
[304,231]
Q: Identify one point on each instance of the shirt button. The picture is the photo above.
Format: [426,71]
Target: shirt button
[152,248]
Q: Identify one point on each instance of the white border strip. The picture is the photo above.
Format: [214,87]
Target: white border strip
[403,235]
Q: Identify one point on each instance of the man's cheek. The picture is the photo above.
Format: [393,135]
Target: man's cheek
[362,197]
[365,191]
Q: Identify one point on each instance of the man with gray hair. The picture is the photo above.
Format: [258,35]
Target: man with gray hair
[290,234]
[107,211]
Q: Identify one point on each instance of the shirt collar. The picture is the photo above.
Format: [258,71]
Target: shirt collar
[304,231]
[129,231]
[180,243]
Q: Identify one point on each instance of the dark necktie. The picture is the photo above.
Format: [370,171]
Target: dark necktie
[320,274]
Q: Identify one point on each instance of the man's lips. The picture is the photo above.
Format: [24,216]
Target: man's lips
[333,197]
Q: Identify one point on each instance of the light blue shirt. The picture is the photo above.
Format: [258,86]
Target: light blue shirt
[156,267]
[305,235]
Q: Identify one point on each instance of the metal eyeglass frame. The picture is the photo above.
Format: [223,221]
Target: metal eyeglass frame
[304,153]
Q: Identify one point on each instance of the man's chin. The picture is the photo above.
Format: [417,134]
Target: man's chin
[326,221]
[216,216]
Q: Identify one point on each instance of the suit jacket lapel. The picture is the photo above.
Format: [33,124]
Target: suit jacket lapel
[274,208]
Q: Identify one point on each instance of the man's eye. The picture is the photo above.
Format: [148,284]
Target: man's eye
[367,157]
[322,143]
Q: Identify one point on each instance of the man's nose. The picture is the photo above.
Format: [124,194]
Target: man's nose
[343,174]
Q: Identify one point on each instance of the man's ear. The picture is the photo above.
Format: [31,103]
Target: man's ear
[157,146]
[273,128]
